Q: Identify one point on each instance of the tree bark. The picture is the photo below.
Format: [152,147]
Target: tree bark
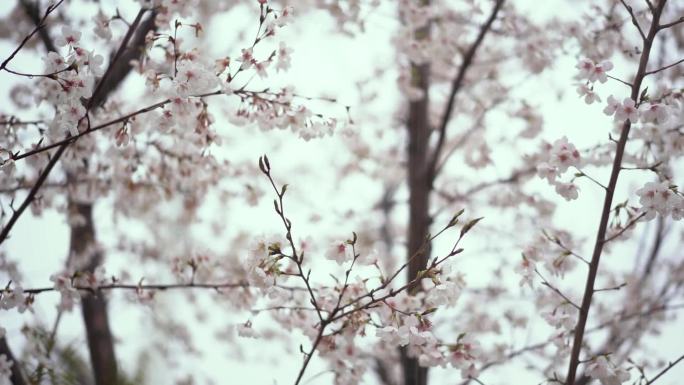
[93,305]
[419,195]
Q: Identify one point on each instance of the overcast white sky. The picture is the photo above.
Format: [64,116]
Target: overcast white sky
[323,64]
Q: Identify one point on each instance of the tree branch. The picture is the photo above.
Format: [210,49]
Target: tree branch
[668,367]
[456,86]
[607,204]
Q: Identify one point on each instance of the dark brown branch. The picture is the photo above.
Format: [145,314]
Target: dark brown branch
[39,26]
[456,86]
[634,19]
[65,143]
[114,65]
[667,368]
[607,204]
[121,63]
[614,340]
[16,376]
[32,194]
[672,24]
[678,62]
[121,119]
[32,11]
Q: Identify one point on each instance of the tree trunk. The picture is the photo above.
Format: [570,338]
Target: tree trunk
[94,305]
[419,195]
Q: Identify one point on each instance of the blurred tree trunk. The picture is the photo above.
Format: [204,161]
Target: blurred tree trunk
[419,185]
[83,237]
[93,305]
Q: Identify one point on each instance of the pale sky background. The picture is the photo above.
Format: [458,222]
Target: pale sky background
[327,64]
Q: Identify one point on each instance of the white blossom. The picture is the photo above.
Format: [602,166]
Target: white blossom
[604,371]
[69,37]
[340,252]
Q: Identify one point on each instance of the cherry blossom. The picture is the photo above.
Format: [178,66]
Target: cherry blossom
[54,62]
[63,283]
[563,155]
[260,68]
[622,111]
[603,370]
[340,252]
[445,293]
[101,28]
[68,37]
[193,79]
[657,198]
[561,318]
[391,335]
[284,57]
[464,355]
[656,113]
[588,93]
[592,71]
[525,268]
[151,144]
[569,191]
[246,58]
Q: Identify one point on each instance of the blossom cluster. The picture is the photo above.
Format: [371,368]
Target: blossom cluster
[69,79]
[660,198]
[555,159]
[605,371]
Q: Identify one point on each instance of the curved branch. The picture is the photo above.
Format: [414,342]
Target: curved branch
[456,86]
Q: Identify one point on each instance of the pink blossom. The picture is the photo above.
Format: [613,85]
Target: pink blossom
[606,372]
[68,37]
[569,191]
[656,113]
[623,111]
[340,252]
[588,93]
[657,198]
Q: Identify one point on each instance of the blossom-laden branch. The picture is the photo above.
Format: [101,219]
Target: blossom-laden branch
[613,321]
[65,144]
[605,214]
[343,308]
[296,257]
[130,49]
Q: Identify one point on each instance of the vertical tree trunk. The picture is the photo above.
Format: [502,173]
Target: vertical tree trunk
[83,241]
[419,194]
[94,305]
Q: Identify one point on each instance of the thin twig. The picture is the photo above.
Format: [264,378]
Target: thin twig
[556,290]
[668,367]
[39,26]
[678,62]
[634,19]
